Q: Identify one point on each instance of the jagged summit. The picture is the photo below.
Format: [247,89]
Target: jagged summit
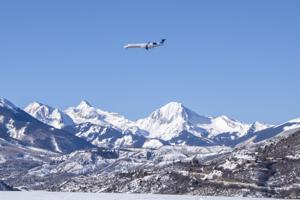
[36,104]
[169,112]
[177,111]
[51,116]
[173,119]
[174,105]
[86,113]
[84,104]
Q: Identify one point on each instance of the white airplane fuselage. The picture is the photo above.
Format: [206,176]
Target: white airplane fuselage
[146,46]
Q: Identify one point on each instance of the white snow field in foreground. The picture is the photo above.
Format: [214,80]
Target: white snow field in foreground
[104,196]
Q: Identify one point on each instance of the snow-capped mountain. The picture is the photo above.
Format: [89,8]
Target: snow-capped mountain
[271,133]
[104,129]
[17,125]
[172,124]
[51,116]
[35,156]
[176,123]
[98,127]
[84,113]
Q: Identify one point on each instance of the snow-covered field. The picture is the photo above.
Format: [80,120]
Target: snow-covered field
[102,196]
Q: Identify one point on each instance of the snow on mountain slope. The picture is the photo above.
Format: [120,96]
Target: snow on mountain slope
[292,124]
[171,124]
[172,119]
[49,115]
[84,112]
[4,103]
[257,126]
[270,134]
[223,124]
[77,162]
[283,130]
[153,144]
[165,122]
[17,125]
[106,136]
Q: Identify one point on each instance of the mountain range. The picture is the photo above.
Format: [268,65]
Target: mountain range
[172,124]
[172,151]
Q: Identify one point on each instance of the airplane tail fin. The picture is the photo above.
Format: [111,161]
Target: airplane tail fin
[162,41]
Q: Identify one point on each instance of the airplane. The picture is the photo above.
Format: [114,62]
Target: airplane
[147,46]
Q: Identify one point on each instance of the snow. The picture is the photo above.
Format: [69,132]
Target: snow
[168,121]
[83,105]
[124,141]
[293,157]
[243,155]
[56,147]
[223,124]
[290,125]
[297,120]
[228,165]
[293,126]
[91,130]
[13,132]
[257,126]
[7,104]
[153,143]
[2,159]
[164,123]
[84,112]
[41,195]
[214,173]
[49,115]
[1,119]
[41,150]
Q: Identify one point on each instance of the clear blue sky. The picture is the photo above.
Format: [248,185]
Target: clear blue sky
[239,58]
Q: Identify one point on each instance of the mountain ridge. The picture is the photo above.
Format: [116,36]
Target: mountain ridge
[262,162]
[172,124]
[18,126]
[49,115]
